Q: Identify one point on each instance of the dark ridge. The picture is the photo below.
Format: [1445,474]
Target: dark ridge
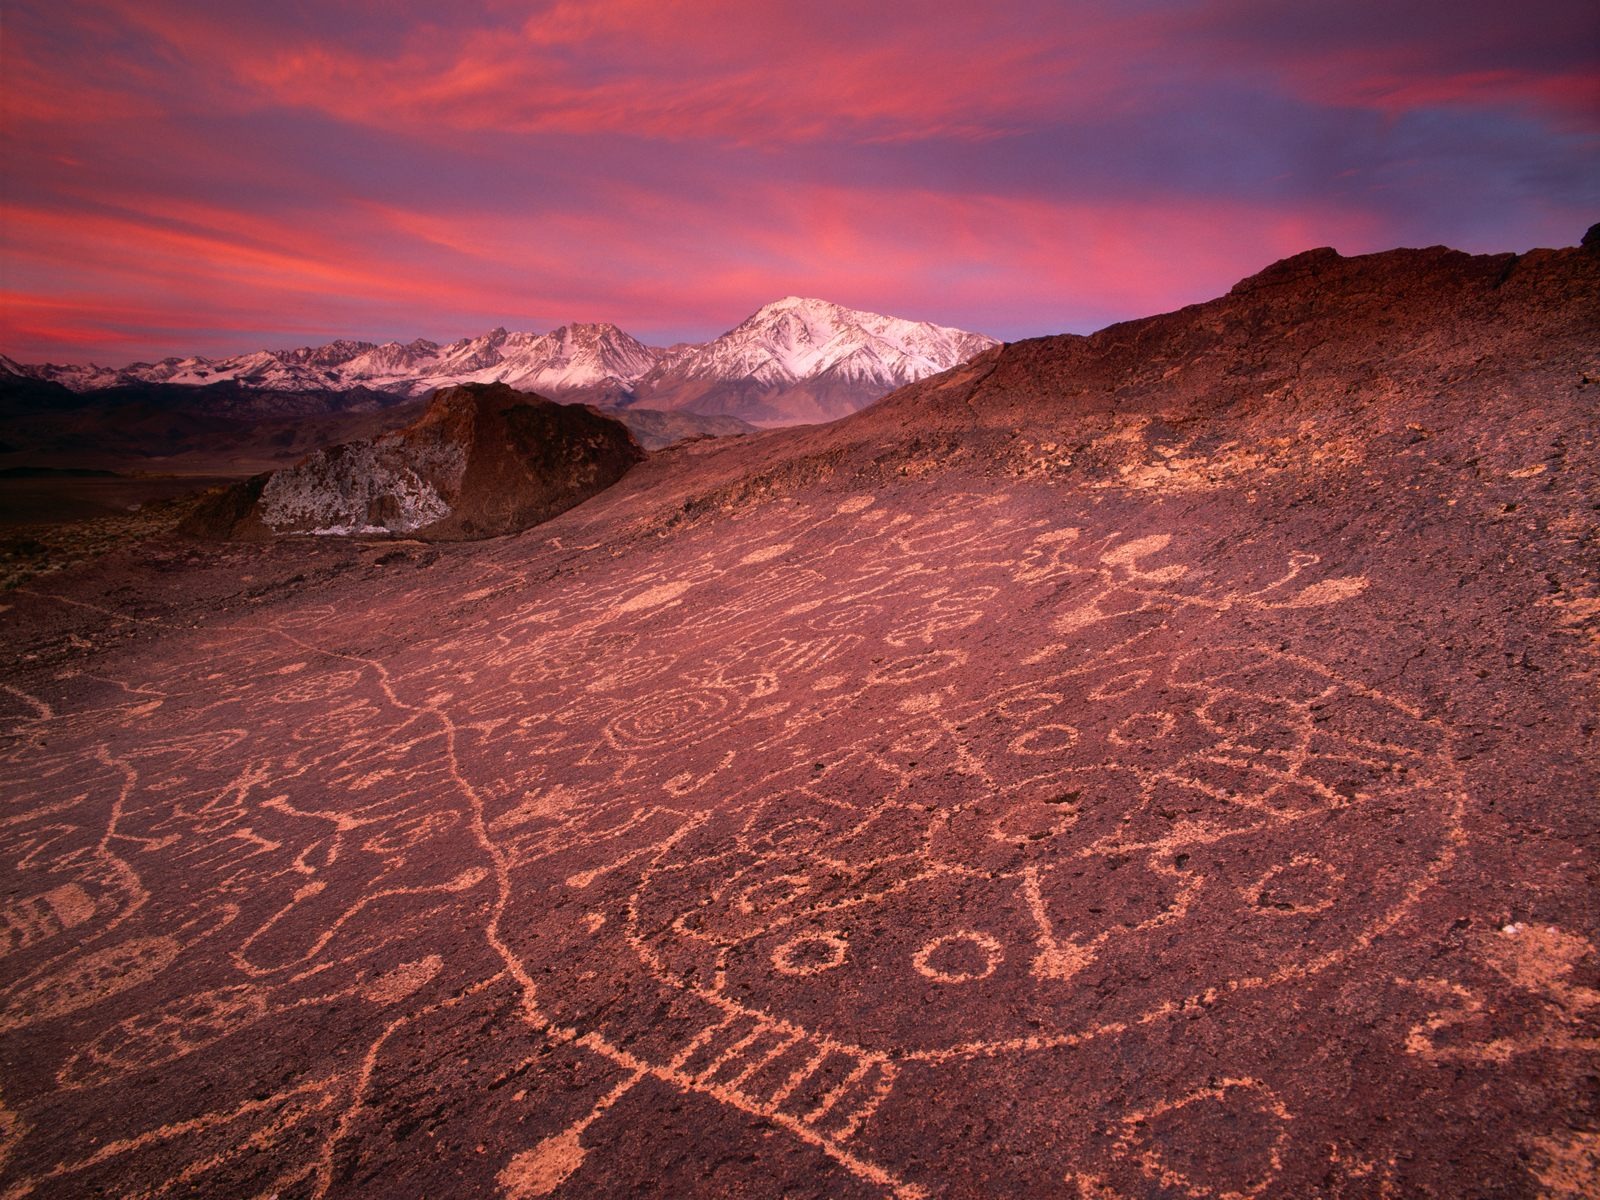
[56,473]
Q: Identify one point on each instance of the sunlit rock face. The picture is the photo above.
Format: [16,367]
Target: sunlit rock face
[386,485]
[482,460]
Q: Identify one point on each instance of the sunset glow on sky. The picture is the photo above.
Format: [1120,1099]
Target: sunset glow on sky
[186,176]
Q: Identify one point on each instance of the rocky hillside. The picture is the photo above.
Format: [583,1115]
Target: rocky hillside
[1149,766]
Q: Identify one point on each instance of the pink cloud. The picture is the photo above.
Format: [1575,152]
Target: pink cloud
[675,70]
[1540,55]
[756,75]
[672,164]
[1017,260]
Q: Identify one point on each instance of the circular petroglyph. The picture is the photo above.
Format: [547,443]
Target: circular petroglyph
[844,617]
[960,957]
[1032,821]
[1044,739]
[1025,708]
[917,666]
[1044,843]
[810,954]
[1141,728]
[769,894]
[1242,1115]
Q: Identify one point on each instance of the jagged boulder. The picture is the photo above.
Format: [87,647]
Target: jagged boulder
[482,460]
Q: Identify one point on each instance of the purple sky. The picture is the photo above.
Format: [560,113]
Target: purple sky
[183,176]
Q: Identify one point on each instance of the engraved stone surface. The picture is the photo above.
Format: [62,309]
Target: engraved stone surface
[878,809]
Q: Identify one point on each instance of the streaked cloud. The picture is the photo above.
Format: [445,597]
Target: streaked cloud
[196,177]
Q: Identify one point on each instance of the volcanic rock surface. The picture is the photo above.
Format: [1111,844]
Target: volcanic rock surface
[1151,765]
[482,460]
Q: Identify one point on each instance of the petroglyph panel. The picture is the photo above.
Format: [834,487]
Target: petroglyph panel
[809,848]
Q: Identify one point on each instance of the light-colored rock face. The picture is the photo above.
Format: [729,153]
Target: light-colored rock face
[388,485]
[482,460]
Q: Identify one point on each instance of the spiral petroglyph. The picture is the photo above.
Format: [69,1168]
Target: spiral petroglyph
[681,717]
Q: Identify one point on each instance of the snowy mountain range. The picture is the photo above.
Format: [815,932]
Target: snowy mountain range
[794,360]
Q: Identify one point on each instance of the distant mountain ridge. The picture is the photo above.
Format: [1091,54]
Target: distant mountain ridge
[794,360]
[570,358]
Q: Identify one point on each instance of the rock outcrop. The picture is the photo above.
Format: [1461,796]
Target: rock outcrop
[482,460]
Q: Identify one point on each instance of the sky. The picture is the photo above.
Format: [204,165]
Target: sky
[187,176]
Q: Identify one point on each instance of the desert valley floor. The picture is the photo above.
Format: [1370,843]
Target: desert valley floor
[1159,764]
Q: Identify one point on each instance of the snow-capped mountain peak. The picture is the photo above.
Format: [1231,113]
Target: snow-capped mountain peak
[799,338]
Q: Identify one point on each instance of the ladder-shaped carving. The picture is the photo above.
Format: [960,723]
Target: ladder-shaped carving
[778,1069]
[35,918]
